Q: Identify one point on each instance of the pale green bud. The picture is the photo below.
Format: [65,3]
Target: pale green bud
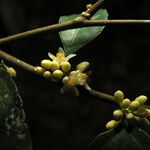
[119,95]
[118,114]
[134,105]
[125,103]
[82,66]
[47,74]
[129,116]
[111,124]
[11,71]
[39,70]
[65,66]
[58,74]
[65,79]
[85,14]
[54,65]
[46,64]
[141,99]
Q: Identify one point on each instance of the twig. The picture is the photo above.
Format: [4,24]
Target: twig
[16,61]
[113,22]
[100,94]
[105,96]
[70,25]
[28,67]
[95,6]
[60,26]
[78,22]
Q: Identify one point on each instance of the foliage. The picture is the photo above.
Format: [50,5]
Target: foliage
[122,139]
[14,132]
[74,39]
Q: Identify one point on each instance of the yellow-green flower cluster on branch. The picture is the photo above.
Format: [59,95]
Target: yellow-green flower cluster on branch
[59,69]
[132,111]
[75,78]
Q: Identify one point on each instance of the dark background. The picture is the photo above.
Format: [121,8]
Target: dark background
[119,59]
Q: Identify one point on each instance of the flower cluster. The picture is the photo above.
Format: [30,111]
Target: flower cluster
[55,68]
[75,78]
[132,111]
[58,68]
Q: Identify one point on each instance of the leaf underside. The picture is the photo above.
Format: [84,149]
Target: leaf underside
[14,134]
[74,39]
[137,139]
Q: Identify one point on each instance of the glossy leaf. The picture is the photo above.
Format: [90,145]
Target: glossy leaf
[14,134]
[136,139]
[74,39]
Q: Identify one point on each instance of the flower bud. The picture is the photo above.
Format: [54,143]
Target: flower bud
[47,74]
[58,74]
[65,66]
[118,114]
[65,79]
[82,66]
[54,65]
[111,124]
[39,70]
[141,99]
[134,105]
[85,14]
[119,95]
[129,116]
[11,71]
[125,103]
[46,64]
[89,6]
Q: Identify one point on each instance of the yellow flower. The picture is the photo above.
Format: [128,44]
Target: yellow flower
[61,60]
[75,78]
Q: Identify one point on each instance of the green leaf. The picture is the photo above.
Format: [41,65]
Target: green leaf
[135,139]
[14,134]
[74,39]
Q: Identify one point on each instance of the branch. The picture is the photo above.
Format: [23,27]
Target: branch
[100,94]
[95,6]
[60,26]
[17,61]
[70,25]
[105,96]
[76,23]
[30,68]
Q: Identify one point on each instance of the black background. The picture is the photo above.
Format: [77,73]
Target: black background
[119,59]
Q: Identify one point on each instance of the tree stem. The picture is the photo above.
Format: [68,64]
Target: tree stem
[70,25]
[30,68]
[16,61]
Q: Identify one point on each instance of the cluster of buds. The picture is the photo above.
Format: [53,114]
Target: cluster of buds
[59,69]
[133,111]
[56,67]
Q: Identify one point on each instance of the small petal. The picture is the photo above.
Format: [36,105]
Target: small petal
[70,56]
[51,56]
[82,66]
[60,50]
